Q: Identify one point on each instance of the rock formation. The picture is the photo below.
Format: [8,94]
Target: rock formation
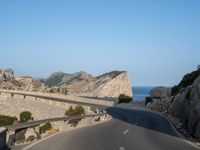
[183,104]
[186,107]
[159,92]
[9,81]
[29,84]
[111,84]
[159,100]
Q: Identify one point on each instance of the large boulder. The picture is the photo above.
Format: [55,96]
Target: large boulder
[30,132]
[160,105]
[159,92]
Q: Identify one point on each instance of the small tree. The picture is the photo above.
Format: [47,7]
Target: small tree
[70,111]
[124,98]
[45,127]
[77,111]
[25,116]
[7,120]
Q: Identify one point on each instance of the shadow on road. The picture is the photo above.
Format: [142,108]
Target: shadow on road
[145,119]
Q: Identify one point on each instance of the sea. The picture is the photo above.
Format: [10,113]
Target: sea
[141,92]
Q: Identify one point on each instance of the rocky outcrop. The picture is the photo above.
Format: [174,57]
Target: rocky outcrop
[183,105]
[160,92]
[29,84]
[9,81]
[159,100]
[60,78]
[111,84]
[186,107]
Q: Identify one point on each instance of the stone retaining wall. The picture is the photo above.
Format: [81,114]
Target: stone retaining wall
[67,97]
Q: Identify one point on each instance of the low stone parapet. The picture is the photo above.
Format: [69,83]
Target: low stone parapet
[68,98]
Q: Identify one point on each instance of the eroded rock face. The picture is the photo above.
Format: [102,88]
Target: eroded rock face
[30,84]
[159,100]
[111,84]
[9,81]
[186,107]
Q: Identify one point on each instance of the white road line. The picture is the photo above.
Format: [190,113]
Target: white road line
[126,131]
[122,148]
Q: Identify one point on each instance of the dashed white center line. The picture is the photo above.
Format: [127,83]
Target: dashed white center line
[122,148]
[126,131]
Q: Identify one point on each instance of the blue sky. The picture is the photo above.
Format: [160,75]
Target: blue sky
[156,41]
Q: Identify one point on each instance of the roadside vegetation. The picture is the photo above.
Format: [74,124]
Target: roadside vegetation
[187,80]
[25,116]
[77,111]
[124,98]
[45,127]
[7,120]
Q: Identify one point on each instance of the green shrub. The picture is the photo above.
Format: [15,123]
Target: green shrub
[77,111]
[187,80]
[25,116]
[70,111]
[6,120]
[45,128]
[20,136]
[124,98]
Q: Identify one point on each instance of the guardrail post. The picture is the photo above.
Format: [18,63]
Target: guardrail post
[88,108]
[97,111]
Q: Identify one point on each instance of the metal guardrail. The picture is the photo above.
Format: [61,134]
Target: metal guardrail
[36,123]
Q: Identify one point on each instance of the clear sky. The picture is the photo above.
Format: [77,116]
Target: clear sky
[156,41]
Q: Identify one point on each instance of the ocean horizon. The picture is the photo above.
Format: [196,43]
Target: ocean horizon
[141,92]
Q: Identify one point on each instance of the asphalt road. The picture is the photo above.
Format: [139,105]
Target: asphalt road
[128,130]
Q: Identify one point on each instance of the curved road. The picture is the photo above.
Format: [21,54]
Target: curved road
[128,130]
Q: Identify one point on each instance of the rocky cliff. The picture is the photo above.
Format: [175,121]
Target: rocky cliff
[9,81]
[111,84]
[183,104]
